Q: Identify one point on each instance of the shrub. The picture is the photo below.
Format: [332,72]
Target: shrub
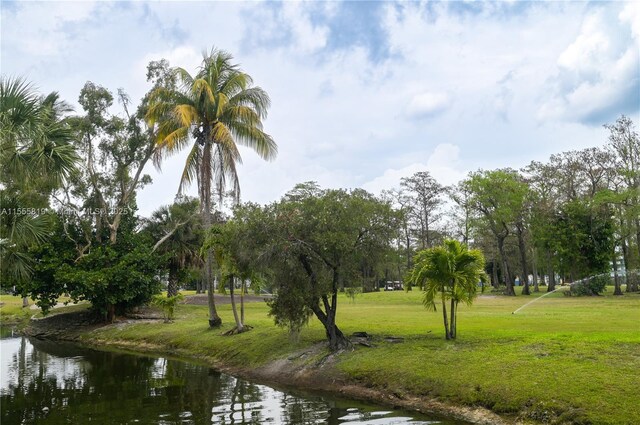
[167,304]
[591,285]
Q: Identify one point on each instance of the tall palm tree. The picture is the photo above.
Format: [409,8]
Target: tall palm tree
[450,272]
[213,111]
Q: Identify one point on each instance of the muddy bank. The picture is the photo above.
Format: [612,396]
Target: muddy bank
[308,369]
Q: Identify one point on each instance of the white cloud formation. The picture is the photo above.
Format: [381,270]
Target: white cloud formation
[443,164]
[338,116]
[428,104]
[598,71]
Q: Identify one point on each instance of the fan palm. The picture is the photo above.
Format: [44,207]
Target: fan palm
[450,272]
[213,112]
[35,155]
[178,232]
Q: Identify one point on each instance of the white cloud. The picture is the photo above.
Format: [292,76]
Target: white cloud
[47,32]
[599,71]
[307,36]
[443,164]
[338,117]
[428,104]
[631,15]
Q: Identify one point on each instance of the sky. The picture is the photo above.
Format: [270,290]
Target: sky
[362,93]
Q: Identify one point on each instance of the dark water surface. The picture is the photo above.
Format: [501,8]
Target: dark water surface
[45,382]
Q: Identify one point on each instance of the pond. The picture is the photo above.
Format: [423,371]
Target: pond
[46,382]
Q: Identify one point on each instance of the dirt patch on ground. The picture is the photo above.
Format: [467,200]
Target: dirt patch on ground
[201,299]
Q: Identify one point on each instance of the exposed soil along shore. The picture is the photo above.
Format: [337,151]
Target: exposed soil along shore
[308,369]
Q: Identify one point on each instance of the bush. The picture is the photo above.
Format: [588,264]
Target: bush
[167,304]
[591,285]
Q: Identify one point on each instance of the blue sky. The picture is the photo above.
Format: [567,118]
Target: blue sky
[363,93]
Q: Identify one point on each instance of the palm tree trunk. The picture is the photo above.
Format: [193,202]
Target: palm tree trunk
[172,286]
[446,320]
[205,197]
[452,328]
[214,320]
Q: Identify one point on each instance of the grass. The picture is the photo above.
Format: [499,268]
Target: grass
[572,359]
[11,310]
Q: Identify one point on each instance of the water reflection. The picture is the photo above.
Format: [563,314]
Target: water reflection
[43,382]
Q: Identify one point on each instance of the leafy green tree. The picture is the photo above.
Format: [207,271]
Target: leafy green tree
[544,204]
[233,251]
[450,272]
[499,197]
[114,277]
[214,110]
[317,239]
[624,144]
[584,237]
[425,196]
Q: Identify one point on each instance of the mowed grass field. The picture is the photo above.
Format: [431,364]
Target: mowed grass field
[567,359]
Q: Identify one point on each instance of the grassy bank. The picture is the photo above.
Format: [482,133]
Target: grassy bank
[574,360]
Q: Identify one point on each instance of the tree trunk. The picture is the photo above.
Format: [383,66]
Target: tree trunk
[505,271]
[494,274]
[111,312]
[452,329]
[616,280]
[552,274]
[172,286]
[336,338]
[534,264]
[523,258]
[625,261]
[25,302]
[214,320]
[232,284]
[447,334]
[638,237]
[242,289]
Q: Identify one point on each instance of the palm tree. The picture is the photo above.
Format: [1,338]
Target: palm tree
[36,155]
[450,272]
[178,234]
[214,111]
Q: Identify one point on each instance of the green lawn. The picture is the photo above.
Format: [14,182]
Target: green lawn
[11,310]
[573,358]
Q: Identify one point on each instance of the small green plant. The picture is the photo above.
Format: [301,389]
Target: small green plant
[352,291]
[167,304]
